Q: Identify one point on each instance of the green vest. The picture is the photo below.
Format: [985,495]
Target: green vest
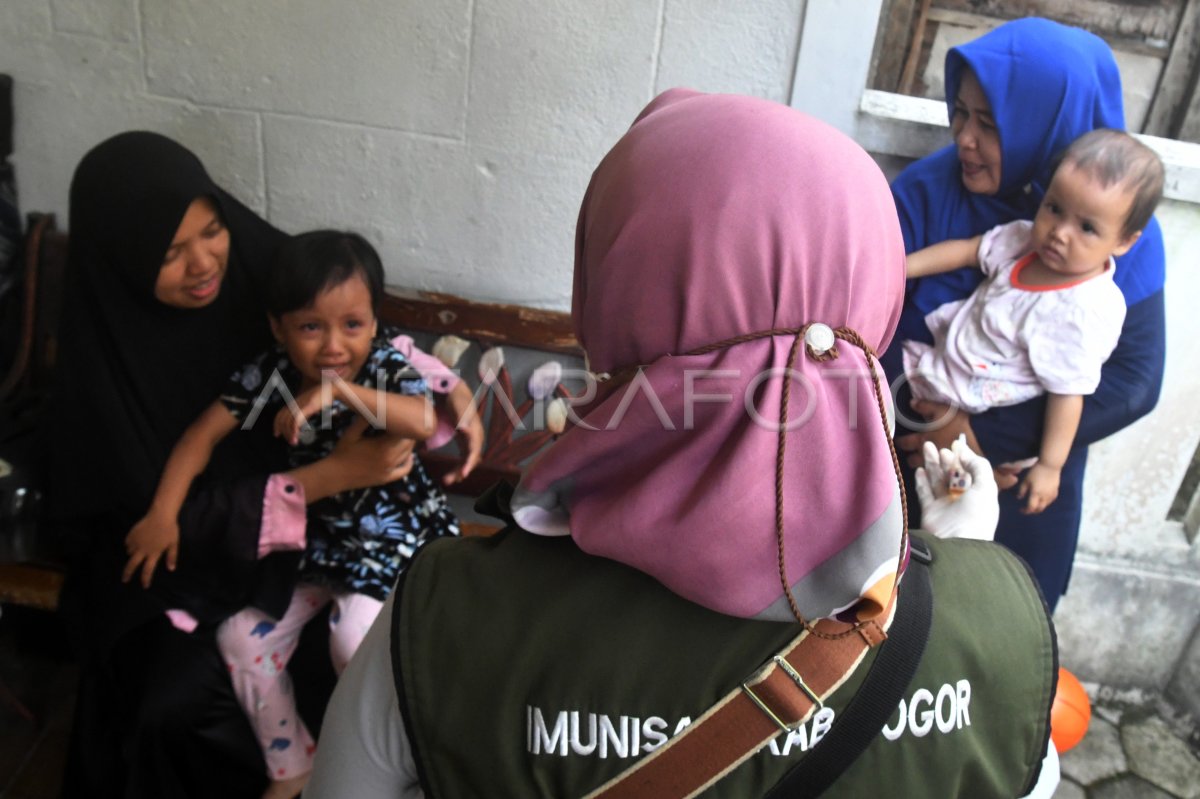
[527,668]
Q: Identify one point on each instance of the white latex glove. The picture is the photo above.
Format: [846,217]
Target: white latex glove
[975,512]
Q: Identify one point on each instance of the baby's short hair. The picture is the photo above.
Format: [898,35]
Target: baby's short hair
[309,263]
[1113,156]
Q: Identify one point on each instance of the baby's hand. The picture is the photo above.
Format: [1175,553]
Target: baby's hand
[288,425]
[146,543]
[468,429]
[1040,486]
[293,417]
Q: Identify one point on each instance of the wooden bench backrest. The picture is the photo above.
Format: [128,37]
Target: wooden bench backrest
[485,325]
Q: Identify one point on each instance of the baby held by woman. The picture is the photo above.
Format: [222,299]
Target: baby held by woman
[332,366]
[1048,313]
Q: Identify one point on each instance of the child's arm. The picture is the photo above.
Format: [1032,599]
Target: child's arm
[943,257]
[469,428]
[158,531]
[408,416]
[1062,420]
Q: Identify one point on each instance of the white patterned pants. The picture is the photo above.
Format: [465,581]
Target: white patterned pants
[256,649]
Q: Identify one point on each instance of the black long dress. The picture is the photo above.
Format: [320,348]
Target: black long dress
[156,715]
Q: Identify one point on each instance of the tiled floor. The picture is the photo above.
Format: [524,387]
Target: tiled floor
[1146,751]
[37,672]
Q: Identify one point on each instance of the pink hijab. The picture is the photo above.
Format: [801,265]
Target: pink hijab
[713,217]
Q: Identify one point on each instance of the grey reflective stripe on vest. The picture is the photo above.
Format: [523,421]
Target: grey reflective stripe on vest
[528,668]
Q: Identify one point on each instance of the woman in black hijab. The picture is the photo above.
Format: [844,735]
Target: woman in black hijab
[162,302]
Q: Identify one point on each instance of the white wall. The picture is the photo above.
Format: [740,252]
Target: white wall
[458,135]
[1133,475]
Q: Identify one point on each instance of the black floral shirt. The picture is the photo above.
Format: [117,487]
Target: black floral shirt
[358,541]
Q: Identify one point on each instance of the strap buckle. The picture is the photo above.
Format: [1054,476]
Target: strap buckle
[787,669]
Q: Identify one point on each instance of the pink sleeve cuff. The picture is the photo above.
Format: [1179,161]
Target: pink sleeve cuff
[284,517]
[182,620]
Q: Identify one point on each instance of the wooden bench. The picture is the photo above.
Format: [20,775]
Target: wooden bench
[37,580]
[30,585]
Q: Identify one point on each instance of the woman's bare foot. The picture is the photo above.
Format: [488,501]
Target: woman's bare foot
[286,789]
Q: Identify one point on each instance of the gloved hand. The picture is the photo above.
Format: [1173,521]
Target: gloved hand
[975,512]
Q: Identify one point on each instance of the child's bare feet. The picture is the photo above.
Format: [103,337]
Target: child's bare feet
[286,789]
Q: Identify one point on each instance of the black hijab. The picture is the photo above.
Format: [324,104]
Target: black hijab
[133,372]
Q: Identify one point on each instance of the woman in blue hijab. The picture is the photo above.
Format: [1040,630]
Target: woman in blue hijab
[1017,97]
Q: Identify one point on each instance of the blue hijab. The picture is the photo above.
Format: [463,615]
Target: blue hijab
[1047,85]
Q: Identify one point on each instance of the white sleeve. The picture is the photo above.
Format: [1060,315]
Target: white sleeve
[364,750]
[1069,343]
[1049,778]
[1004,244]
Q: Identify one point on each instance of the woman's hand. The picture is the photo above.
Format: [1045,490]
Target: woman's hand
[975,512]
[152,537]
[371,461]
[357,461]
[468,432]
[947,425]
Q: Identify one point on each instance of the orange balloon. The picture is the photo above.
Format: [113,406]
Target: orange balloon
[1070,713]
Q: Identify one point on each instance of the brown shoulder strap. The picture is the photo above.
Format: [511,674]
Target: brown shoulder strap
[779,697]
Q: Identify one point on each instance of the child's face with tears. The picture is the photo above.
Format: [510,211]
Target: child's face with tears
[332,336]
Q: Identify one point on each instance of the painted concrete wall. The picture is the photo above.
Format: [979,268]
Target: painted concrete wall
[1132,615]
[458,135]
